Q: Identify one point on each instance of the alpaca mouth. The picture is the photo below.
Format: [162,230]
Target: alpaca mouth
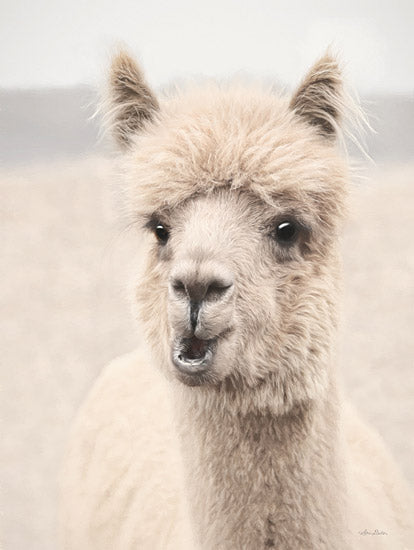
[193,356]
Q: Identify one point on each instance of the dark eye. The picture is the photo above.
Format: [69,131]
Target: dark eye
[161,233]
[286,232]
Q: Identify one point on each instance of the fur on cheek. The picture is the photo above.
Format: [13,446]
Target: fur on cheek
[152,300]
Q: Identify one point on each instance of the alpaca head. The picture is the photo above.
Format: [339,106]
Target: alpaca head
[240,192]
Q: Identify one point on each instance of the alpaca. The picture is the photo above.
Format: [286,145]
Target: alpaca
[229,432]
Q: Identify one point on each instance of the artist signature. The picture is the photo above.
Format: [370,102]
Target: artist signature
[375,532]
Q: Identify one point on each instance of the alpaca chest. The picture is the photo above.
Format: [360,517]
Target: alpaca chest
[254,483]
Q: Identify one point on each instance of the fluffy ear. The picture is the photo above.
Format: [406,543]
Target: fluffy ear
[320,97]
[130,102]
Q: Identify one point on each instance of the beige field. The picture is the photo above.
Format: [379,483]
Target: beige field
[66,263]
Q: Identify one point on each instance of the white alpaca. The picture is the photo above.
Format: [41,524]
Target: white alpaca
[230,433]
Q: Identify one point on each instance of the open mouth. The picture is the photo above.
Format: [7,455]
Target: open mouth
[193,355]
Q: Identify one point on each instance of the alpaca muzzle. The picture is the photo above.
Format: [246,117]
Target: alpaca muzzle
[200,299]
[200,309]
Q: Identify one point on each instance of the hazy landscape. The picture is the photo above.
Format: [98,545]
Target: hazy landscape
[58,123]
[67,266]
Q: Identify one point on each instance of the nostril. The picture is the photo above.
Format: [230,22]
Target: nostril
[217,289]
[178,287]
[197,290]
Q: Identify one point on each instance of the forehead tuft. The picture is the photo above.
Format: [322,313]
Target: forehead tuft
[236,137]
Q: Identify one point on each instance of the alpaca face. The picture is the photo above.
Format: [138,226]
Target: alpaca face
[239,286]
[231,267]
[241,193]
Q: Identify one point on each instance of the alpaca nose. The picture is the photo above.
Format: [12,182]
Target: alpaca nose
[199,290]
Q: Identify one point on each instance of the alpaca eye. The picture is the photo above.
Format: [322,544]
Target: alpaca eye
[161,233]
[286,232]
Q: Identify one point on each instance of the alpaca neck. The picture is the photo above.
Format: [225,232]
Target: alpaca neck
[261,480]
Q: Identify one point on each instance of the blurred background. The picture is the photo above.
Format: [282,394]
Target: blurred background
[66,259]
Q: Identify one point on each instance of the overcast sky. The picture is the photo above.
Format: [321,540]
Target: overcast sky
[55,43]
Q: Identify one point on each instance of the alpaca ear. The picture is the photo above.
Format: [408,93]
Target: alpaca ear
[130,102]
[319,99]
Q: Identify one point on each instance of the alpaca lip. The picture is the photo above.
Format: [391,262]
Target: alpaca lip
[193,355]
